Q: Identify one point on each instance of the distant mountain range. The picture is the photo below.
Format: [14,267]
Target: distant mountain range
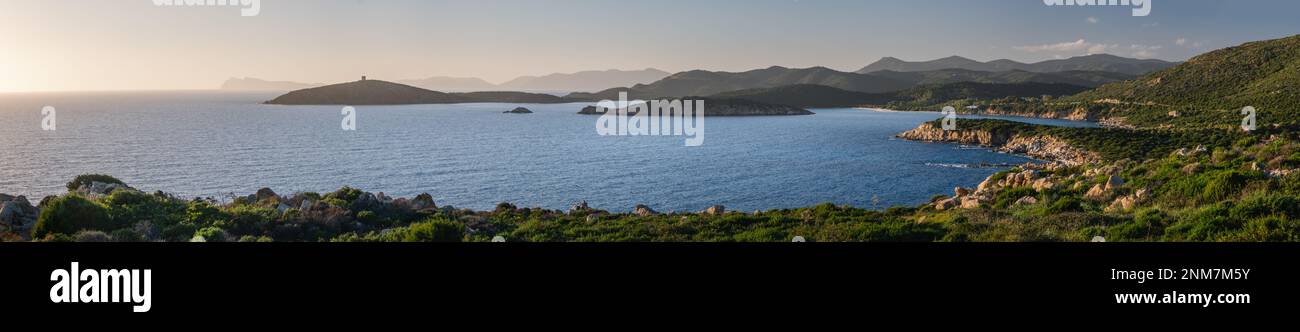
[708,83]
[557,83]
[584,81]
[1096,63]
[451,84]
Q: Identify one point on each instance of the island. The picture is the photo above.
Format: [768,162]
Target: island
[377,92]
[519,110]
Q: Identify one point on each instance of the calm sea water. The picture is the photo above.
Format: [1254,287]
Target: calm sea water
[472,155]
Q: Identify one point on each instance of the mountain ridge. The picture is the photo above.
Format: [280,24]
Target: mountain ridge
[1095,62]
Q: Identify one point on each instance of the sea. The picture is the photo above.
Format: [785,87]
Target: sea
[222,144]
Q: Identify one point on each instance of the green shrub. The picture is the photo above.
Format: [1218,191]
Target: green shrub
[435,231]
[1147,225]
[127,207]
[125,235]
[179,232]
[212,234]
[1266,205]
[346,194]
[70,214]
[1223,185]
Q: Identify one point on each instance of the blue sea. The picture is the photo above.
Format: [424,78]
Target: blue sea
[210,144]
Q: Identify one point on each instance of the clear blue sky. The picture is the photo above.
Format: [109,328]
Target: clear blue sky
[132,44]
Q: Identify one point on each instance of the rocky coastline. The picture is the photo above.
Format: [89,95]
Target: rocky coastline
[1044,147]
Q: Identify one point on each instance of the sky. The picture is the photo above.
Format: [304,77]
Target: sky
[80,45]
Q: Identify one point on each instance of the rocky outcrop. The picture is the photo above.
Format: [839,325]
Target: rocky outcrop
[1127,203]
[928,132]
[423,202]
[519,110]
[1027,200]
[644,211]
[1102,191]
[1050,148]
[17,214]
[1044,147]
[1030,175]
[97,190]
[579,208]
[1075,114]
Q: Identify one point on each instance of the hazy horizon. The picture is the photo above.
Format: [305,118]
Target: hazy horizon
[82,45]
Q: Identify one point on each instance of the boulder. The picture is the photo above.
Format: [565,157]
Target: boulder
[970,203]
[1114,183]
[264,194]
[580,207]
[306,205]
[17,214]
[9,212]
[422,202]
[946,204]
[1027,200]
[1043,184]
[644,211]
[960,192]
[367,201]
[1097,192]
[716,210]
[1127,203]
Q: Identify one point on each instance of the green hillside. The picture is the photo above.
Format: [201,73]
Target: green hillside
[1211,88]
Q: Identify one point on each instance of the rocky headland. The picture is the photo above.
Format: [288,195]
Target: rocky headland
[1044,147]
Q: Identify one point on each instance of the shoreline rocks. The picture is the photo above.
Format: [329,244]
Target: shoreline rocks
[1044,147]
[17,214]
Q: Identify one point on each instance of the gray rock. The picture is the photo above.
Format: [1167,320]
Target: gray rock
[580,207]
[306,204]
[264,194]
[644,211]
[422,202]
[1027,200]
[519,110]
[9,212]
